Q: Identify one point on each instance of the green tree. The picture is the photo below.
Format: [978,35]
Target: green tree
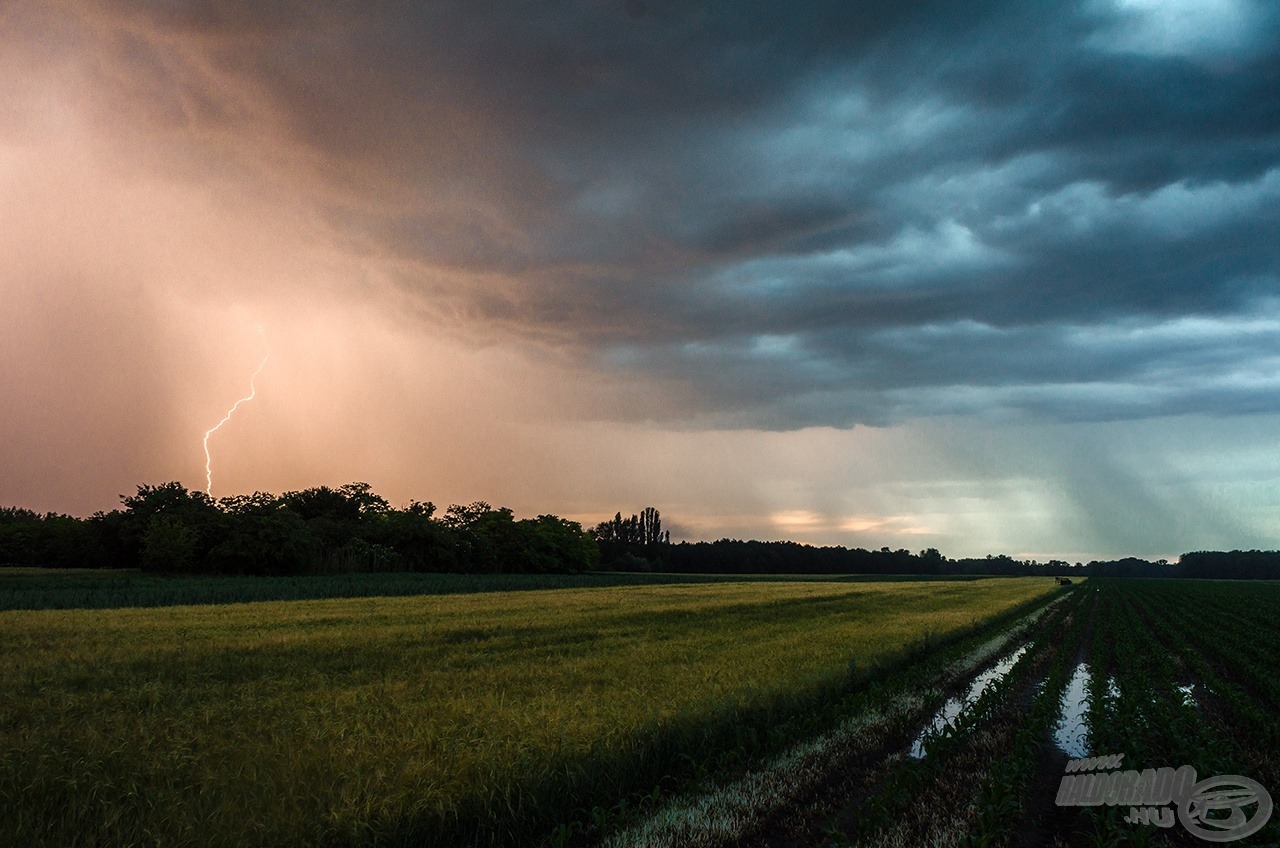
[169,545]
[270,541]
[194,510]
[632,542]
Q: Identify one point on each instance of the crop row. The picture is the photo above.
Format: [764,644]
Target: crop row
[798,794]
[1167,689]
[971,785]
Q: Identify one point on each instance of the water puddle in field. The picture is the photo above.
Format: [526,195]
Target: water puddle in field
[1071,734]
[954,707]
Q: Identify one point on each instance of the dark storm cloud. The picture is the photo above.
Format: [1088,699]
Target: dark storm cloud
[799,213]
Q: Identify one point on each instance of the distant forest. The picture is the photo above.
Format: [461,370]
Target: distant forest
[170,529]
[322,530]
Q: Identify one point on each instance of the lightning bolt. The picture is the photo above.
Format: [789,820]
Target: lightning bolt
[208,461]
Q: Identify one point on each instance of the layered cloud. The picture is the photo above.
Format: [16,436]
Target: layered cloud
[708,216]
[828,214]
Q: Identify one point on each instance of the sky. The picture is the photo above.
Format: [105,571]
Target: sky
[996,277]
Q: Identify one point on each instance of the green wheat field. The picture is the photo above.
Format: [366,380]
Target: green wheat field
[486,717]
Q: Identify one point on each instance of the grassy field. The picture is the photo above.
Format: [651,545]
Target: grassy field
[88,588]
[459,719]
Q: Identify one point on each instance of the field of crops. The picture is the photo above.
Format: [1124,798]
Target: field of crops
[93,588]
[1169,674]
[488,718]
[699,714]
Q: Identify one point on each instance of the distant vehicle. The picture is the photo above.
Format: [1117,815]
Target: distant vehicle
[1064,581]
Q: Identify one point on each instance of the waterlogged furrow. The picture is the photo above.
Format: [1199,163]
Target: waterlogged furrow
[971,792]
[725,813]
[949,713]
[1146,708]
[1071,733]
[1136,699]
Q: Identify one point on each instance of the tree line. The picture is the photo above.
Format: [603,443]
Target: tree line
[171,529]
[639,544]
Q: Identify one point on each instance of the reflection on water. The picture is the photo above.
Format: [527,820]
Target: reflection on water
[1072,732]
[951,710]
